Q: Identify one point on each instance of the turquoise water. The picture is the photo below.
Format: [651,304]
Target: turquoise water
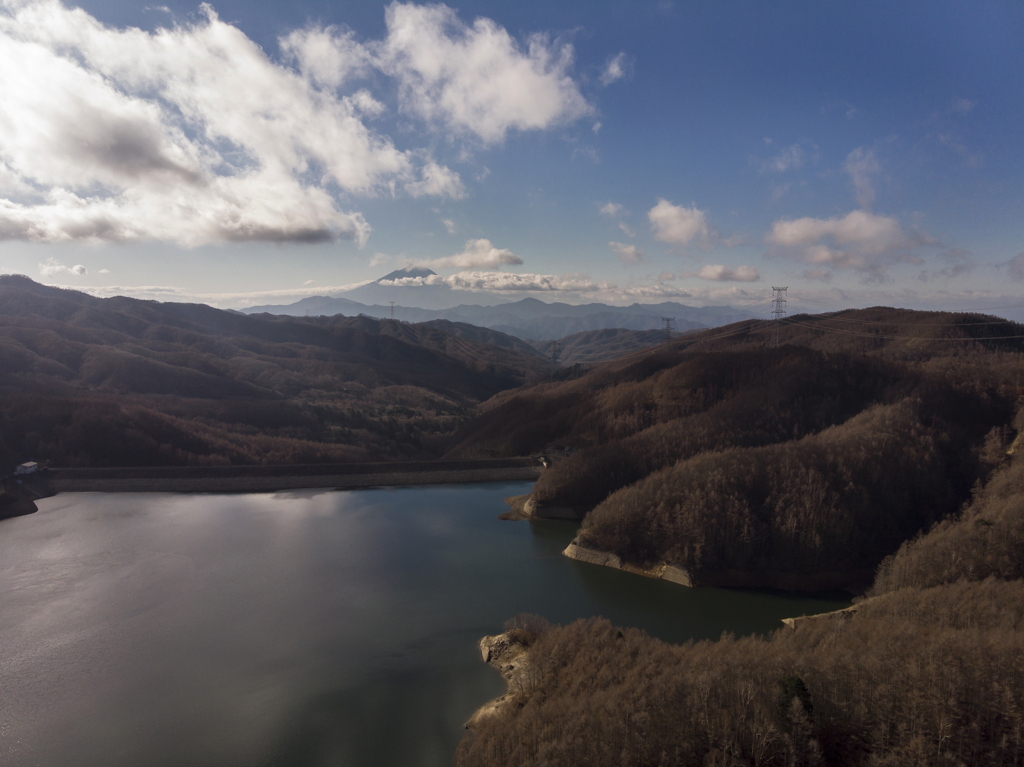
[300,628]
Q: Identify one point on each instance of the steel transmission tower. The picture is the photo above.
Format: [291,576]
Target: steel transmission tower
[778,312]
[554,349]
[392,309]
[668,328]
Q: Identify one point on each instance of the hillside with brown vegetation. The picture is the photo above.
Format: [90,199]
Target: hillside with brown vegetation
[743,464]
[929,671]
[118,381]
[599,345]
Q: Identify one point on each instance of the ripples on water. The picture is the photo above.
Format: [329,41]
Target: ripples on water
[301,628]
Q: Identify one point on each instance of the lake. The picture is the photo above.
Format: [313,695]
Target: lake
[300,628]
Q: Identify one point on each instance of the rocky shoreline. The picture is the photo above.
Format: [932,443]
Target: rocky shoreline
[853,582]
[511,659]
[662,571]
[526,507]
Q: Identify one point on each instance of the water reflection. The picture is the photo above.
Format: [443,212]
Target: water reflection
[298,628]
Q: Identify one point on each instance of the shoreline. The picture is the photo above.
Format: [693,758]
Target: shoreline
[297,482]
[510,658]
[805,583]
[244,479]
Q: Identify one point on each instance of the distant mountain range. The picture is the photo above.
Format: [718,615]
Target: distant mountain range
[528,319]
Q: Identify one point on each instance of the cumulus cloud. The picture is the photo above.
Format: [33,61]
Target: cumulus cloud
[194,134]
[860,164]
[52,267]
[789,158]
[189,134]
[617,68]
[478,254]
[676,224]
[477,79]
[626,229]
[449,225]
[628,254]
[860,240]
[722,273]
[611,209]
[326,56]
[437,181]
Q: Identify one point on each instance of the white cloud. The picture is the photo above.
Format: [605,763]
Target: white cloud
[507,281]
[477,79]
[860,240]
[193,134]
[104,271]
[791,157]
[722,273]
[189,134]
[51,267]
[626,229]
[309,282]
[478,254]
[675,224]
[611,209]
[379,258]
[326,56]
[617,68]
[860,164]
[628,254]
[449,225]
[437,181]
[596,127]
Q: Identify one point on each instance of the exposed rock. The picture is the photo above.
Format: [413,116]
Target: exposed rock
[840,615]
[511,659]
[526,507]
[662,571]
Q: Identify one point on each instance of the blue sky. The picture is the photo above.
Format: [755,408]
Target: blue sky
[860,153]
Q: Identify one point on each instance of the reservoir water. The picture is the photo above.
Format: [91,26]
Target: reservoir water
[299,628]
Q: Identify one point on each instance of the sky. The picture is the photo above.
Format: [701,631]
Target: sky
[241,153]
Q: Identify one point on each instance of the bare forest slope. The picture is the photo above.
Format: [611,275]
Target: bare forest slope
[801,466]
[928,671]
[118,381]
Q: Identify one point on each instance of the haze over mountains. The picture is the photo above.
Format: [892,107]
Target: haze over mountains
[529,318]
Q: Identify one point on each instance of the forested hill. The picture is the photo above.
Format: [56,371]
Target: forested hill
[119,381]
[796,467]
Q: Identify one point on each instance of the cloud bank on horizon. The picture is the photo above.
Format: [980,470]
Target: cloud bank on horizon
[519,162]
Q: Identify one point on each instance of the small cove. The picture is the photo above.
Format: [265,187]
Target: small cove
[301,628]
